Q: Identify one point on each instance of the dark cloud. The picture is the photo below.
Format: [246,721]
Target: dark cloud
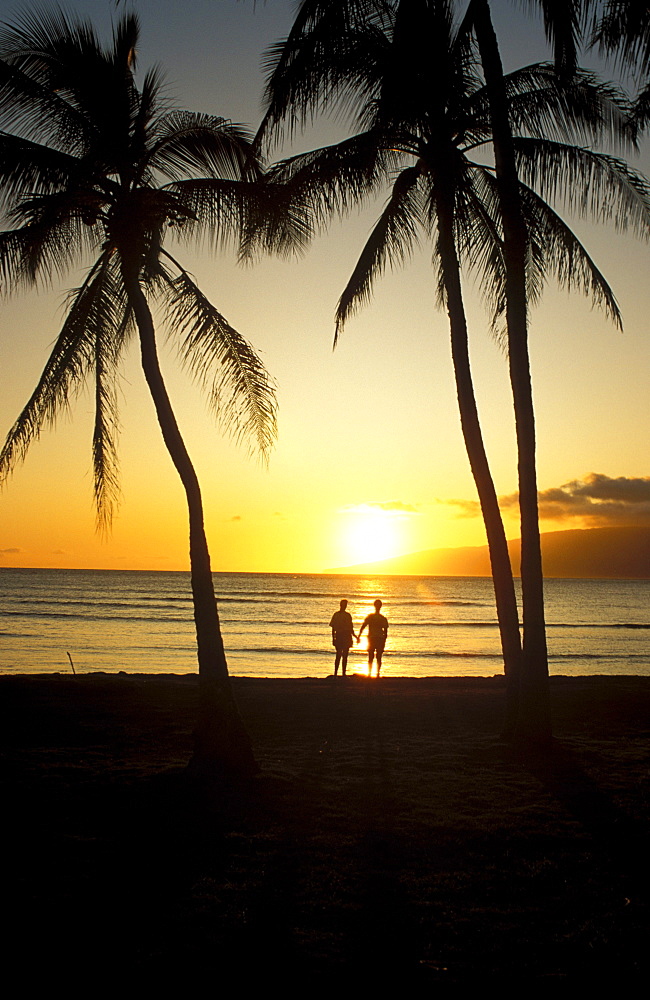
[466,508]
[236,517]
[597,499]
[9,552]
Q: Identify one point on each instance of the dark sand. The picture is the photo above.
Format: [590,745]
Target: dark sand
[392,841]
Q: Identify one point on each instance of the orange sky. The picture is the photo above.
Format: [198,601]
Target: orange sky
[369,461]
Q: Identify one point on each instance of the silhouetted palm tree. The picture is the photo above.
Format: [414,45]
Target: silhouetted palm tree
[564,24]
[418,110]
[92,166]
[410,79]
[534,713]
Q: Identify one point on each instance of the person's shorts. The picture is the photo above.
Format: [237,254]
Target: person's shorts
[376,646]
[342,645]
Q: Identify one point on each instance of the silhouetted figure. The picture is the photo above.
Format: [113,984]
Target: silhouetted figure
[377,632]
[342,636]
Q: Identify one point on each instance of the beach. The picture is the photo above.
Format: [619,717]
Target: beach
[391,837]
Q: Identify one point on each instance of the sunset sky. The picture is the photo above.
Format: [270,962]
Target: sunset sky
[369,461]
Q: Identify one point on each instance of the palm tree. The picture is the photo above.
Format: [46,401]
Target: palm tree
[434,189]
[534,713]
[411,80]
[564,24]
[93,167]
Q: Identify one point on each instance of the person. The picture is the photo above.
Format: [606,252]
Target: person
[377,632]
[342,635]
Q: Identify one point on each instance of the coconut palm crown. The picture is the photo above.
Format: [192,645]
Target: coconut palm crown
[96,172]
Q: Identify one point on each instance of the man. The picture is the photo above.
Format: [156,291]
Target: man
[342,636]
[377,632]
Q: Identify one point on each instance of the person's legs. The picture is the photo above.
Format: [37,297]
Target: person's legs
[344,660]
[337,660]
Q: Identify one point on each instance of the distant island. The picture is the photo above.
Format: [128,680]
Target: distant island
[614,553]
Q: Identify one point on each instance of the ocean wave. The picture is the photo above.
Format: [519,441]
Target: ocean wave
[90,602]
[92,615]
[609,656]
[257,597]
[108,612]
[388,654]
[596,625]
[164,597]
[260,595]
[444,604]
[242,600]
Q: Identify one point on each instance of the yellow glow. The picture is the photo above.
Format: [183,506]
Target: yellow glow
[373,534]
[376,419]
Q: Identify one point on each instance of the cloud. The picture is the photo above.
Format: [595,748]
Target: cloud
[9,552]
[236,517]
[391,506]
[466,508]
[597,500]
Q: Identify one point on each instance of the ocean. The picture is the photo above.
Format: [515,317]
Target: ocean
[276,625]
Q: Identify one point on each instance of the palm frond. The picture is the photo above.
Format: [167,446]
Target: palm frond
[335,179]
[330,60]
[480,243]
[126,34]
[56,64]
[110,322]
[587,182]
[36,111]
[221,360]
[215,208]
[391,241]
[187,142]
[641,108]
[556,250]
[51,238]
[27,166]
[152,105]
[279,221]
[553,251]
[105,434]
[622,28]
[564,24]
[581,110]
[97,308]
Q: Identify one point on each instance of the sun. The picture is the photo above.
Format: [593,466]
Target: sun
[372,534]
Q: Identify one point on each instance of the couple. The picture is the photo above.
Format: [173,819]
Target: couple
[343,632]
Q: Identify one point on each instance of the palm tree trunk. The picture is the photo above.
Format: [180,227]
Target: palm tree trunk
[533,722]
[504,589]
[222,745]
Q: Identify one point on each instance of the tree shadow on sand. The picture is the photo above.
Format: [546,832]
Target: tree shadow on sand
[382,846]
